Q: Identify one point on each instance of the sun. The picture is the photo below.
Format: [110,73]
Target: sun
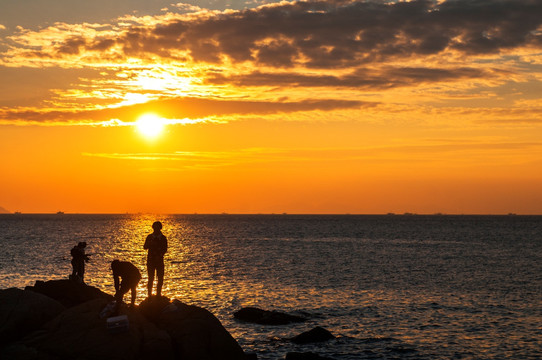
[150,125]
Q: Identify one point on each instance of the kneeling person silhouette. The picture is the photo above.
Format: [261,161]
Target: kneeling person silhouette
[130,277]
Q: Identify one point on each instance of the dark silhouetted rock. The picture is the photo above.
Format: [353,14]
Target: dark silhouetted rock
[265,317]
[68,292]
[79,333]
[304,356]
[152,307]
[198,334]
[158,328]
[317,334]
[22,312]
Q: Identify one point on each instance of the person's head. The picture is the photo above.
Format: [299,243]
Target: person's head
[82,244]
[157,226]
[114,264]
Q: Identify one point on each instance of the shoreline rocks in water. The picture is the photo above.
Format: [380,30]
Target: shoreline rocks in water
[317,334]
[66,324]
[266,317]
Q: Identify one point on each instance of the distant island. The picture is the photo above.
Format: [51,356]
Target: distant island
[4,211]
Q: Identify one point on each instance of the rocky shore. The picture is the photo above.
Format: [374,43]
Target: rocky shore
[60,320]
[66,320]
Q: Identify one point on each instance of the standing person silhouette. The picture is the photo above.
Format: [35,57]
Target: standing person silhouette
[78,261]
[156,244]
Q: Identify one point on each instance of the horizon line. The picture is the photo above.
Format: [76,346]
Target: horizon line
[60,213]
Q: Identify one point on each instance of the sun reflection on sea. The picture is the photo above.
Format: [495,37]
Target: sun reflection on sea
[187,277]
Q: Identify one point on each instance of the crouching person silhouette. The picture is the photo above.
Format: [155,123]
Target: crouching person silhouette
[126,277]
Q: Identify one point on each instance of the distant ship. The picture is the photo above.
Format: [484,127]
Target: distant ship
[60,212]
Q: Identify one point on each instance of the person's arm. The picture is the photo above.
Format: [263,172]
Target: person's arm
[116,280]
[165,245]
[146,245]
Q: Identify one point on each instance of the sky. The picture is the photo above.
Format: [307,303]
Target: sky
[336,106]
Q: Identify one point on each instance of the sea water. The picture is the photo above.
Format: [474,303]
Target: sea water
[388,287]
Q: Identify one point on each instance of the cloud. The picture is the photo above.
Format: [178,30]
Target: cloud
[316,34]
[206,159]
[432,150]
[191,108]
[338,33]
[361,78]
[451,48]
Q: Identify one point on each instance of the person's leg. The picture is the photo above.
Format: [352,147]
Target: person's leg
[132,301]
[79,270]
[119,295]
[150,277]
[160,276]
[118,300]
[134,290]
[74,268]
[82,271]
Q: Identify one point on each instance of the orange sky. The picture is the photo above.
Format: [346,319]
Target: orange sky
[298,107]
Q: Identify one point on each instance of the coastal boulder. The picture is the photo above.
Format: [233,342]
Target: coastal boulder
[80,333]
[318,334]
[266,317]
[157,329]
[197,334]
[22,312]
[154,306]
[68,292]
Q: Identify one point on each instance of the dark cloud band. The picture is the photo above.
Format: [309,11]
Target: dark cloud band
[182,108]
[334,33]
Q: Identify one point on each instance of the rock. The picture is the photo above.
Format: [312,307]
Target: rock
[158,328]
[156,343]
[152,307]
[22,312]
[198,334]
[18,351]
[304,356]
[317,334]
[68,292]
[265,317]
[79,333]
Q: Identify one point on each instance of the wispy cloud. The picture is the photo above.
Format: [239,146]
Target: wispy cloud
[190,110]
[430,152]
[365,78]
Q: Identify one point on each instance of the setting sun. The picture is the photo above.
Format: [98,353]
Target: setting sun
[150,125]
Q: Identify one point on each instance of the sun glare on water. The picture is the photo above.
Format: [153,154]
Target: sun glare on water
[150,125]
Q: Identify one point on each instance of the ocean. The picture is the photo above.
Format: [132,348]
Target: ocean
[387,286]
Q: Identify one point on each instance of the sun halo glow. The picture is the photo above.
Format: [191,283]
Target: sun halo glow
[150,125]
